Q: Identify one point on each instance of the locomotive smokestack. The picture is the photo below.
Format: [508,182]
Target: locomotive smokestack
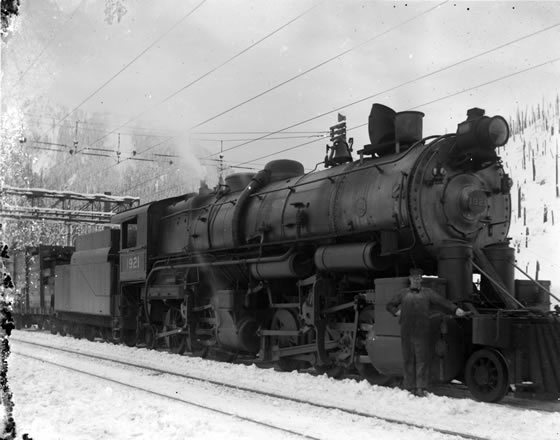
[391,132]
[408,127]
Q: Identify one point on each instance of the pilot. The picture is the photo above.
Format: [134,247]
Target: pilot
[412,307]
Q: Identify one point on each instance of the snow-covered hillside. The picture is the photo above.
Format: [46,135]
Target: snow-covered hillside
[530,158]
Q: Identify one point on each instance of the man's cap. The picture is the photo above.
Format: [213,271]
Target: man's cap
[416,272]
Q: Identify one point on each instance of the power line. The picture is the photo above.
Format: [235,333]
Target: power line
[172,95]
[369,97]
[450,66]
[267,139]
[259,132]
[519,72]
[39,120]
[416,107]
[88,152]
[401,85]
[305,72]
[365,124]
[157,40]
[211,71]
[253,45]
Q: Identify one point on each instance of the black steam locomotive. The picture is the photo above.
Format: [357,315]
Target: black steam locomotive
[295,269]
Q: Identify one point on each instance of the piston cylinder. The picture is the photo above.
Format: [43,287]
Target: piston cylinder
[454,264]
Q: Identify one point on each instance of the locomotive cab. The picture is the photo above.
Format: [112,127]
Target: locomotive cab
[138,244]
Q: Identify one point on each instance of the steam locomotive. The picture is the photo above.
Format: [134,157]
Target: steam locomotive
[296,268]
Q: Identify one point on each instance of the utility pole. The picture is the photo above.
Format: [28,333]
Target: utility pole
[221,164]
[75,142]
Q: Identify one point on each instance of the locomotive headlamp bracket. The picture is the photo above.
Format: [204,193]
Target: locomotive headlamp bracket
[487,132]
[476,140]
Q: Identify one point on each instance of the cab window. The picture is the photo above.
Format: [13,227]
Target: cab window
[129,234]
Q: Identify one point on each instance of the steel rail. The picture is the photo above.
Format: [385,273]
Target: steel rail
[263,393]
[166,396]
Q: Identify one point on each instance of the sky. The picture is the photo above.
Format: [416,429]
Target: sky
[114,410]
[173,67]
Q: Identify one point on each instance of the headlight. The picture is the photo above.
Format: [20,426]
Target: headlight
[482,131]
[493,131]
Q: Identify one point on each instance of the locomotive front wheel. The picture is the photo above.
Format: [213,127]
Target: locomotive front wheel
[486,375]
[54,329]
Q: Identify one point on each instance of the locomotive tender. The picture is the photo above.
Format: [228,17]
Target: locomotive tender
[296,268]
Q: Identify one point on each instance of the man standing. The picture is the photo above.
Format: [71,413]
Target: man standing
[412,306]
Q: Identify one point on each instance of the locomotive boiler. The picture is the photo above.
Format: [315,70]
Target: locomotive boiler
[295,268]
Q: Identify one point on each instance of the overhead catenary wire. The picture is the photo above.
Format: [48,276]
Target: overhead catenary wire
[405,83]
[229,60]
[257,132]
[408,82]
[240,53]
[510,75]
[127,65]
[424,76]
[253,45]
[267,139]
[235,56]
[317,66]
[86,125]
[212,71]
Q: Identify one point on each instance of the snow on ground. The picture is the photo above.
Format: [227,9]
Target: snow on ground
[56,404]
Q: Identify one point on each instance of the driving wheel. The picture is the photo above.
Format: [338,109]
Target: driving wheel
[173,321]
[283,319]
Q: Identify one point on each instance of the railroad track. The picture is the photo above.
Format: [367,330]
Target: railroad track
[453,390]
[254,394]
[170,397]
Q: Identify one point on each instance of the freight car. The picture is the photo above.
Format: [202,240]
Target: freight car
[32,270]
[296,268]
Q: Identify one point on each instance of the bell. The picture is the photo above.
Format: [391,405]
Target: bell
[340,153]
